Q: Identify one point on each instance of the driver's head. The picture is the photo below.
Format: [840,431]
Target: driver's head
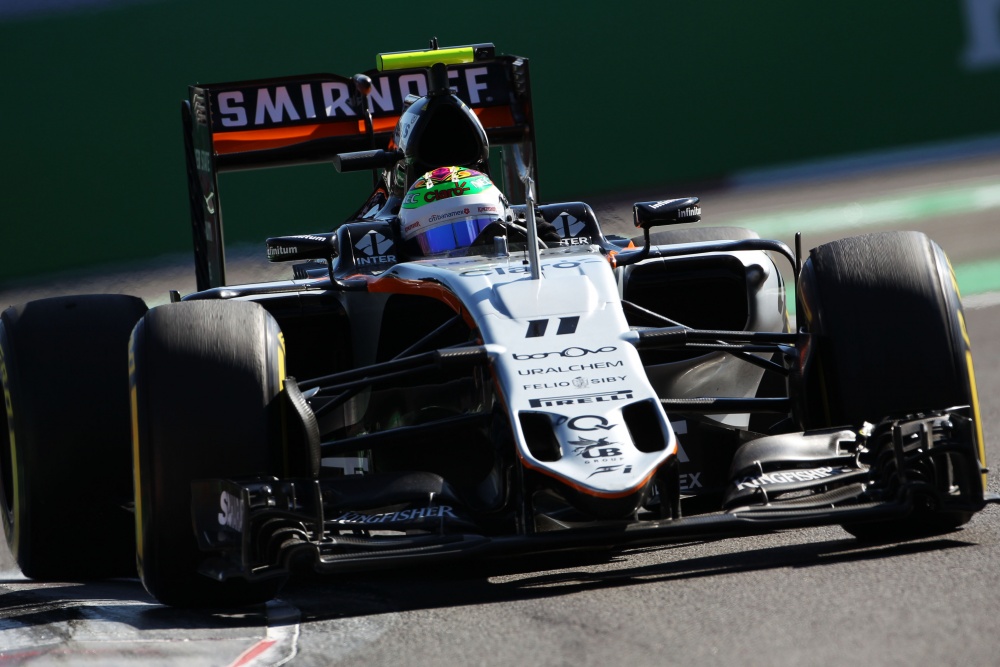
[447,208]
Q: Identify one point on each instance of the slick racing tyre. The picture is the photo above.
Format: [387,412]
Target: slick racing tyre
[696,234]
[65,463]
[205,376]
[889,339]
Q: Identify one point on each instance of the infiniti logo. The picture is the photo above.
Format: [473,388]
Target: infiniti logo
[569,352]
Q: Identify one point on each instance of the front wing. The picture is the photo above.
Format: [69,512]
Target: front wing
[257,529]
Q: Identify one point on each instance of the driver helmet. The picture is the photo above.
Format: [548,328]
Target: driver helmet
[446,209]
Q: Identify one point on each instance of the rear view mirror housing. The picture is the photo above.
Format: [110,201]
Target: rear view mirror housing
[303,246]
[666,212]
[648,214]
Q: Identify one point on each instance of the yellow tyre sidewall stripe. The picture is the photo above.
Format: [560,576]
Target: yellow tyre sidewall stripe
[967,344]
[136,467]
[15,536]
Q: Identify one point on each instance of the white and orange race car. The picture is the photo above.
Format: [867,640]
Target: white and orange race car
[458,371]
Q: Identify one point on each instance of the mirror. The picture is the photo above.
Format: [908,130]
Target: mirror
[666,212]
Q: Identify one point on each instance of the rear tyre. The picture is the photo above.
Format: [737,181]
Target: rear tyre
[205,380]
[65,467]
[889,338]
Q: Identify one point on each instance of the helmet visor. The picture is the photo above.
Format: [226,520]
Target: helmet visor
[460,234]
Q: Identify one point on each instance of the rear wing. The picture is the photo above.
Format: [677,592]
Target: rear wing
[307,119]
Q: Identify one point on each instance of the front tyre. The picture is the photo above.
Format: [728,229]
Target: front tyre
[889,338]
[204,380]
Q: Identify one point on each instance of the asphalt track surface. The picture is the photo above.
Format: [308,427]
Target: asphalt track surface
[807,597]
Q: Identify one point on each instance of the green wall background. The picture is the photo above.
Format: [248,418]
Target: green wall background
[629,95]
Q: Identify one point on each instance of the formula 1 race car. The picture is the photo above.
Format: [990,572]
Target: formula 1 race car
[460,372]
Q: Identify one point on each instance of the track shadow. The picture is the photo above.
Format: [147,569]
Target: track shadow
[563,574]
[25,604]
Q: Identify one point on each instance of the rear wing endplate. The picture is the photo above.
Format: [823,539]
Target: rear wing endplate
[307,119]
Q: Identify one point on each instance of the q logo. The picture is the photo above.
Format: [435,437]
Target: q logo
[587,423]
